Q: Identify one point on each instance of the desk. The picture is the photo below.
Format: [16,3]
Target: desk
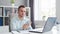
[33,33]
[53,31]
[27,32]
[6,33]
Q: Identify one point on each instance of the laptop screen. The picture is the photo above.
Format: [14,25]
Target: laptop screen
[49,24]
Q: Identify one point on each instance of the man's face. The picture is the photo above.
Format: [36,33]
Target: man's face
[22,12]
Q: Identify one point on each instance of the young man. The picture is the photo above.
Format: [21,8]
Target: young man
[21,22]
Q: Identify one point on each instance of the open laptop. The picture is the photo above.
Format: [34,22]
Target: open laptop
[47,27]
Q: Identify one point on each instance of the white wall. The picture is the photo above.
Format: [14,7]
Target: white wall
[58,9]
[17,2]
[39,24]
[45,8]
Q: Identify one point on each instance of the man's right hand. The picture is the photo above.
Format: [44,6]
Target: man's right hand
[25,26]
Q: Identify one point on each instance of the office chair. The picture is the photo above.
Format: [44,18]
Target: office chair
[33,25]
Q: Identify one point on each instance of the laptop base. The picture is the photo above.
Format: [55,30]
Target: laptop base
[35,32]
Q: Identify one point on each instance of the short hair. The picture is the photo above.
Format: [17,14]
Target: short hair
[21,6]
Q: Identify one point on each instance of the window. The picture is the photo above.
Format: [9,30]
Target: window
[44,9]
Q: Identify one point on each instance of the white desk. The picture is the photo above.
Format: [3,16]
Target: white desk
[33,33]
[6,33]
[27,32]
[53,31]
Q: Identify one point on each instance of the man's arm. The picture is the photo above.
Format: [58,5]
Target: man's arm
[13,24]
[27,26]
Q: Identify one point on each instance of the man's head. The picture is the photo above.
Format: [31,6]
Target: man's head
[21,10]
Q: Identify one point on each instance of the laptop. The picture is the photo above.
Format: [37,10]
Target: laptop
[47,27]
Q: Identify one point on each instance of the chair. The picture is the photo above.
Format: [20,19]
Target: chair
[33,25]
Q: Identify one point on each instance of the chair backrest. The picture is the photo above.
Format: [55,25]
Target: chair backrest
[33,25]
[49,24]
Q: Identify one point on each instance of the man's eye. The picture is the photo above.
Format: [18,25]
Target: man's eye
[24,11]
[21,11]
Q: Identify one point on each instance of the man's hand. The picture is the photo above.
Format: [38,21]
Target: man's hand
[25,26]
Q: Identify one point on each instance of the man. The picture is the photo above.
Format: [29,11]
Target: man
[20,22]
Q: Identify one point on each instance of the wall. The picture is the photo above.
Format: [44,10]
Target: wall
[17,2]
[39,24]
[58,10]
